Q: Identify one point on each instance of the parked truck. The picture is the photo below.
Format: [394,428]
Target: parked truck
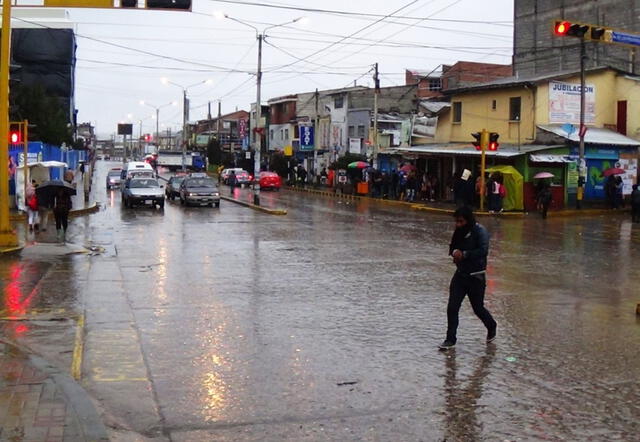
[172,160]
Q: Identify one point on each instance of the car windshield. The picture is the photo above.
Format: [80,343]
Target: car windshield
[114,173]
[177,179]
[143,184]
[200,182]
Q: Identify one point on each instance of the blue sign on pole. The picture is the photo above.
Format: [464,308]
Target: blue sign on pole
[629,39]
[307,140]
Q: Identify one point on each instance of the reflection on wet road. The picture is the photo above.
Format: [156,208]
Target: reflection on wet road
[230,324]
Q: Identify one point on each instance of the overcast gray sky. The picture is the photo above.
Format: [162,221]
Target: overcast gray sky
[123,54]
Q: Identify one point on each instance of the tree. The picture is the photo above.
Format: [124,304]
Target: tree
[279,164]
[50,124]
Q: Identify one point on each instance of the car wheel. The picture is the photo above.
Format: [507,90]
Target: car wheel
[173,197]
[217,204]
[161,205]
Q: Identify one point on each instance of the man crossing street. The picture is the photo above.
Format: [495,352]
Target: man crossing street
[469,248]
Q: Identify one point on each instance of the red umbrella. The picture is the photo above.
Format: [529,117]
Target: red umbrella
[408,168]
[614,171]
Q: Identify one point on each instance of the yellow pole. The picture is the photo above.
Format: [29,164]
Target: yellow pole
[7,236]
[484,143]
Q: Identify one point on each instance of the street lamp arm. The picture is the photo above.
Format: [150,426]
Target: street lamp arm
[282,24]
[242,23]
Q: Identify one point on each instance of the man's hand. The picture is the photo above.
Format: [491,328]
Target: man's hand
[457,256]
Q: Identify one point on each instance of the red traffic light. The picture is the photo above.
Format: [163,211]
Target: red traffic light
[493,146]
[15,137]
[562,27]
[493,141]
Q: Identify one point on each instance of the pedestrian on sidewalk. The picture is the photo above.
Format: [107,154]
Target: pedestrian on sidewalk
[469,249]
[635,204]
[32,206]
[61,208]
[232,180]
[544,200]
[619,192]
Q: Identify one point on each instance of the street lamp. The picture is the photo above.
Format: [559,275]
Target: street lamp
[185,114]
[257,147]
[157,108]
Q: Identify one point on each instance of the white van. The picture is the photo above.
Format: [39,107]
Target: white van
[137,168]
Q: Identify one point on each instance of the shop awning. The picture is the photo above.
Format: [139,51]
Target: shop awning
[505,151]
[538,158]
[594,135]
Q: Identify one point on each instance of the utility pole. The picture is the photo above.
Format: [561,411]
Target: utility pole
[218,123]
[315,136]
[376,80]
[185,136]
[7,235]
[258,143]
[140,134]
[583,130]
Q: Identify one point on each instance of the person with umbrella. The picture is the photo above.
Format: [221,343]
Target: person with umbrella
[61,208]
[57,194]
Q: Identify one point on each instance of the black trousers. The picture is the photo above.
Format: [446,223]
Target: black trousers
[635,213]
[62,220]
[464,285]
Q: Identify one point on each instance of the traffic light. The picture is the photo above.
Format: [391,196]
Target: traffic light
[184,5]
[169,4]
[478,142]
[493,141]
[15,136]
[585,31]
[147,137]
[568,29]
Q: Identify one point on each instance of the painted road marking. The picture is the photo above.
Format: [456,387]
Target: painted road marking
[115,356]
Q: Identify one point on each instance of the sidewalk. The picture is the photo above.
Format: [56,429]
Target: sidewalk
[449,208]
[39,403]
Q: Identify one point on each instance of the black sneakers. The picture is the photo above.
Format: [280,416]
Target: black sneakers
[446,345]
[491,335]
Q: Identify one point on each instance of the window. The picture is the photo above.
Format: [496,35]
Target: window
[286,134]
[494,105]
[271,134]
[435,84]
[281,134]
[457,112]
[514,108]
[352,131]
[361,133]
[338,102]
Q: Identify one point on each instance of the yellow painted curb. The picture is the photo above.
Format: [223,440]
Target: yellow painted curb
[254,207]
[451,212]
[78,350]
[95,207]
[8,250]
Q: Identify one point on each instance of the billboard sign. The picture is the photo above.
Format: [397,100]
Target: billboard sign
[564,103]
[307,138]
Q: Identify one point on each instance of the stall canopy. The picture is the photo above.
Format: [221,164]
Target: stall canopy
[514,182]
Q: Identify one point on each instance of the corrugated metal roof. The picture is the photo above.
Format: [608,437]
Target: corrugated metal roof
[594,135]
[504,151]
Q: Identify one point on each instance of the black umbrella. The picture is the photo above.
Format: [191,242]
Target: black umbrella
[49,189]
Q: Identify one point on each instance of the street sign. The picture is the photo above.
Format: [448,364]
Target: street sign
[624,38]
[125,129]
[306,138]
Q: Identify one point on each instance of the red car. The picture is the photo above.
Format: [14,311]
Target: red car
[270,180]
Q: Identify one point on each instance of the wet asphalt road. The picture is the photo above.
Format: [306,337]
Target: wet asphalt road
[230,324]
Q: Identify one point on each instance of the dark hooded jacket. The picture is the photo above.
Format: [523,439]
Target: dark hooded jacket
[473,241]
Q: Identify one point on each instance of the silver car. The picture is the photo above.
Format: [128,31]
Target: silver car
[200,191]
[142,191]
[114,178]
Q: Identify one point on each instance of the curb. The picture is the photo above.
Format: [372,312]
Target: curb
[95,207]
[350,197]
[10,250]
[254,207]
[89,420]
[478,213]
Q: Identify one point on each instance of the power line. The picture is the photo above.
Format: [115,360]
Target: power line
[359,14]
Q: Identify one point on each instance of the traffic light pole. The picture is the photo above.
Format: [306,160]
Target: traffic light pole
[581,161]
[7,235]
[484,143]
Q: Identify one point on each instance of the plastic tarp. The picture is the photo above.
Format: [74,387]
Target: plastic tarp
[514,182]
